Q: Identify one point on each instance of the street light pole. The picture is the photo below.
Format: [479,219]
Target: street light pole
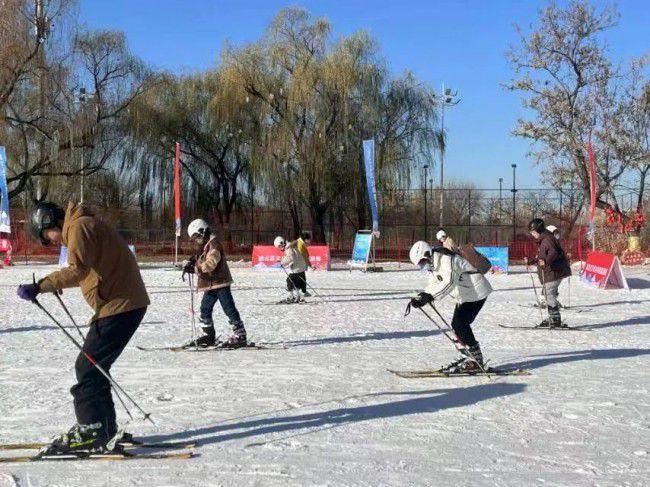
[447,98]
[500,198]
[514,201]
[426,213]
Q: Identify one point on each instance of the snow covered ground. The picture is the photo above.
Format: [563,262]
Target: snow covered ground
[324,411]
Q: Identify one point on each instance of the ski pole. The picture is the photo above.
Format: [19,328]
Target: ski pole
[532,279]
[65,308]
[191,283]
[92,361]
[548,312]
[313,290]
[483,369]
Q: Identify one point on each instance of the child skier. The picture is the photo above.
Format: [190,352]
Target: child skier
[452,275]
[552,267]
[294,263]
[214,278]
[302,244]
[99,262]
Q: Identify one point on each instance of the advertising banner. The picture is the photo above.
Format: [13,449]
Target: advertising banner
[604,271]
[268,257]
[361,250]
[177,190]
[369,159]
[5,226]
[498,257]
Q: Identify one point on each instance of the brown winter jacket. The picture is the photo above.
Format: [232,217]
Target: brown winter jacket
[556,264]
[100,263]
[212,268]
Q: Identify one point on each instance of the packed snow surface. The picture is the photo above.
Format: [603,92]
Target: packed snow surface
[325,410]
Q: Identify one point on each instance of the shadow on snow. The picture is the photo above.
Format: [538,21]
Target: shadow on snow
[429,401]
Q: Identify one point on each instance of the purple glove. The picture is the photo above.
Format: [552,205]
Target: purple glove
[28,292]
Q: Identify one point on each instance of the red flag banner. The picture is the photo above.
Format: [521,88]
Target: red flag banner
[177,190]
[592,180]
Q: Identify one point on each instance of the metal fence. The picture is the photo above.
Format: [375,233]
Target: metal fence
[480,216]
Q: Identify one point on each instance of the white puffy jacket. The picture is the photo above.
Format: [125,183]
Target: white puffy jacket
[454,276]
[293,260]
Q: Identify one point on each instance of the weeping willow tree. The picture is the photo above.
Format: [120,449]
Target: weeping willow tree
[213,128]
[317,100]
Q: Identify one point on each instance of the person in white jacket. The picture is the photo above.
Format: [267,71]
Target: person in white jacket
[452,275]
[294,263]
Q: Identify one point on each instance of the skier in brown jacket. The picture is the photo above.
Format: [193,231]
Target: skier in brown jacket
[214,278]
[101,264]
[552,267]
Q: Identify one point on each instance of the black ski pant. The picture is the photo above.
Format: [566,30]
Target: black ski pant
[107,337]
[297,281]
[464,316]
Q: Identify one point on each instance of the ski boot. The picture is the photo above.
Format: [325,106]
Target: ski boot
[470,362]
[208,339]
[238,338]
[306,294]
[554,317]
[82,440]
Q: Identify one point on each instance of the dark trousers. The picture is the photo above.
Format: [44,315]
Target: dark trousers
[297,281]
[224,297]
[104,342]
[464,316]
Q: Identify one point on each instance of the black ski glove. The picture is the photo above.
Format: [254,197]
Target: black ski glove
[422,299]
[188,266]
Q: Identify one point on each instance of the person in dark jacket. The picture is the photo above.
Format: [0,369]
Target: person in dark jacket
[552,267]
[101,264]
[215,279]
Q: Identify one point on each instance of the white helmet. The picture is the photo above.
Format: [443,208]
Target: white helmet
[552,228]
[420,250]
[197,227]
[441,234]
[279,242]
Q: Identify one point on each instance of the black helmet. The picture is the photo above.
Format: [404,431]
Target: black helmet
[45,215]
[536,225]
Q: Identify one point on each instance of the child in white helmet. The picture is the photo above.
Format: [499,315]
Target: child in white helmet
[214,278]
[294,264]
[452,275]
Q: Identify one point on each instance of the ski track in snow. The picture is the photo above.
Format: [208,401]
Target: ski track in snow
[324,411]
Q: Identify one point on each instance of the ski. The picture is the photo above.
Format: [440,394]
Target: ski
[215,348]
[281,303]
[546,328]
[98,456]
[423,374]
[576,309]
[127,445]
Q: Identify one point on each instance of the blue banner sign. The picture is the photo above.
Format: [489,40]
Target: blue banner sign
[5,226]
[361,250]
[369,159]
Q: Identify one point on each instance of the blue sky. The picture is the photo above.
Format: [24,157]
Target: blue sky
[457,42]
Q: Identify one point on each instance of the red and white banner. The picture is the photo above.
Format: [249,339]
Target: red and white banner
[267,256]
[604,271]
[177,190]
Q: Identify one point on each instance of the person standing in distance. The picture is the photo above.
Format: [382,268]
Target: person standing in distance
[101,264]
[552,267]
